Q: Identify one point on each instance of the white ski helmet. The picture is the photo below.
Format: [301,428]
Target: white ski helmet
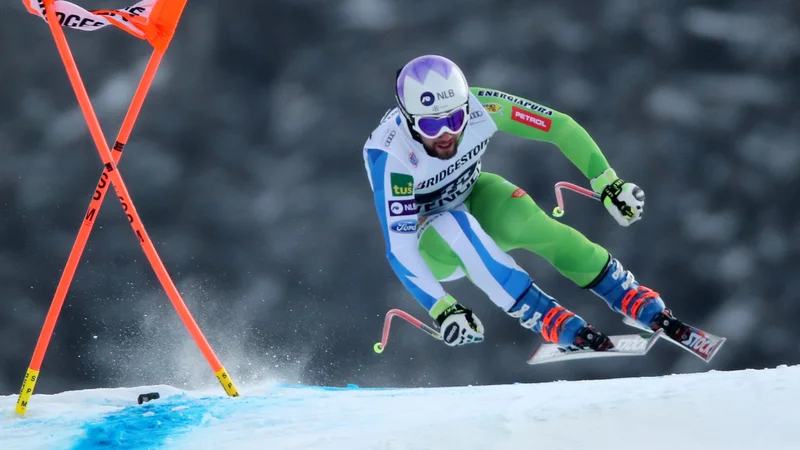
[433,95]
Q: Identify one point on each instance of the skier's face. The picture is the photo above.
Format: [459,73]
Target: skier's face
[442,147]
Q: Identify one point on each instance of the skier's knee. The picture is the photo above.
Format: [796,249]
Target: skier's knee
[439,220]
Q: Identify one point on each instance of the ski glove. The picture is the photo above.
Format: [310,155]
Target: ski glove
[457,324]
[623,200]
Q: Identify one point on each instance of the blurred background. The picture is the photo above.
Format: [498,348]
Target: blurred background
[246,168]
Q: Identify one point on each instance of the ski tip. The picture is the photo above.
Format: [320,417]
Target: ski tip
[722,341]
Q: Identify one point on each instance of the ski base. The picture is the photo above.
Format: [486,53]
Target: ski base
[624,345]
[699,343]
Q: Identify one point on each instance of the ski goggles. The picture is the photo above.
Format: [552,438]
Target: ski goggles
[434,126]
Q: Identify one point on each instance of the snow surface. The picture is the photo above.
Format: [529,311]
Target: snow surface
[750,409]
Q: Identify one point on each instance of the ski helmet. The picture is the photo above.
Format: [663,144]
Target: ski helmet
[433,96]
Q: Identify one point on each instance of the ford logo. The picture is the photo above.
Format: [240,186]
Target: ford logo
[404,226]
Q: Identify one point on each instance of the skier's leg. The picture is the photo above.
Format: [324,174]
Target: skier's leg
[514,220]
[625,295]
[454,241]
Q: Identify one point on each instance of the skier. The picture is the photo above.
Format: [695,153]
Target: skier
[443,218]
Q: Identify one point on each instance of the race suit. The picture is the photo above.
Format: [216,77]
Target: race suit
[443,219]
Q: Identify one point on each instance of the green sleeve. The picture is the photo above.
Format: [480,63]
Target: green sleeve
[523,118]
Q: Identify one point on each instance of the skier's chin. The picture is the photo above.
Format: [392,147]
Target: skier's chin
[442,148]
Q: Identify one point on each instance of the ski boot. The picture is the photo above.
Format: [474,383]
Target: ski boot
[590,339]
[673,328]
[643,308]
[624,295]
[540,313]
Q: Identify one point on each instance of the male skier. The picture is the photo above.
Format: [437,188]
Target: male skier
[442,218]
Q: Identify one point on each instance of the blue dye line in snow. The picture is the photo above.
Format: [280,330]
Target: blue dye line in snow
[349,387]
[151,425]
[157,423]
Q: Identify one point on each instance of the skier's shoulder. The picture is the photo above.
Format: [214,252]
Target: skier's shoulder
[479,118]
[383,136]
[488,99]
[389,136]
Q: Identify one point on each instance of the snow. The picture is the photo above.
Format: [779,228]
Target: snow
[748,409]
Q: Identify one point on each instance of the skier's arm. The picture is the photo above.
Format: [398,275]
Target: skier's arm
[523,118]
[392,191]
[526,119]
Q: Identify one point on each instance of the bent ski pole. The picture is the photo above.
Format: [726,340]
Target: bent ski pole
[558,211]
[387,323]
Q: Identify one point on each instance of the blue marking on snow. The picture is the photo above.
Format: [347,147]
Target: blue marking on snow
[348,417]
[152,424]
[156,423]
[349,387]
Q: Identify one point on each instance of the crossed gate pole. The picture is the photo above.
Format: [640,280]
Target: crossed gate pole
[169,12]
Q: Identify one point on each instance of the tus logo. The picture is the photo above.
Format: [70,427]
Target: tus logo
[427,98]
[402,184]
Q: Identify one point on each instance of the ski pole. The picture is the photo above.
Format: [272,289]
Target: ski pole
[387,323]
[558,211]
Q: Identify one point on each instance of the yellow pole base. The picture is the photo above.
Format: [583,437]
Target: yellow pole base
[26,391]
[226,382]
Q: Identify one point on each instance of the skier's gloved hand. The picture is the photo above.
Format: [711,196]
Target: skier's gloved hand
[623,200]
[457,324]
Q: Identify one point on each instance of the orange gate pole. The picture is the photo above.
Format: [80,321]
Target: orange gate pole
[83,235]
[111,172]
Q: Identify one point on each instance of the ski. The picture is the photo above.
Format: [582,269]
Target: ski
[624,345]
[699,343]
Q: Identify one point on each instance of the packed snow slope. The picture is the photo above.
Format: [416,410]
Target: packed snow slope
[751,409]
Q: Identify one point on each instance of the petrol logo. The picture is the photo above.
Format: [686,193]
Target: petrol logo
[519,192]
[530,119]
